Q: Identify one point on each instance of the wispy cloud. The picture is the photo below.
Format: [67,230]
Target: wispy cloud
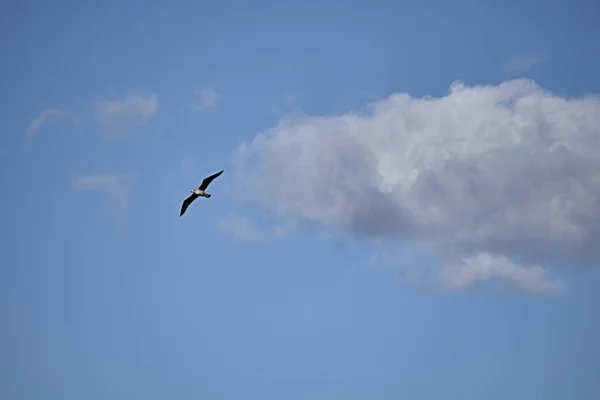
[133,109]
[507,171]
[181,167]
[114,186]
[521,64]
[287,105]
[206,98]
[43,117]
[486,267]
[241,228]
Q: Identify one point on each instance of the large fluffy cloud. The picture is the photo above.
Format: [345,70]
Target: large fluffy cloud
[485,174]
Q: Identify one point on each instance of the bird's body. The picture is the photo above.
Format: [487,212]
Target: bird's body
[198,192]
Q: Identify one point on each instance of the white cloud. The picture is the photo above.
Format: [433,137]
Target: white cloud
[133,109]
[506,170]
[43,117]
[206,98]
[114,186]
[521,64]
[486,267]
[241,228]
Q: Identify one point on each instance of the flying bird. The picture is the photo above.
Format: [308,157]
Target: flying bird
[199,192]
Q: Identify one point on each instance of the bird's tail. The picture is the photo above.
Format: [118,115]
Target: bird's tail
[207,195]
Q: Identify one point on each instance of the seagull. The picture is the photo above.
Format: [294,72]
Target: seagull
[199,192]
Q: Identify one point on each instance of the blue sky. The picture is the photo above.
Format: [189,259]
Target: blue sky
[464,268]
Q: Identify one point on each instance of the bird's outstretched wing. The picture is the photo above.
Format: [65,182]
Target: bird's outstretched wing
[187,202]
[208,180]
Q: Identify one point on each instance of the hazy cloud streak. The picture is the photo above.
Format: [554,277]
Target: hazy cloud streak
[134,110]
[241,228]
[43,117]
[114,186]
[206,98]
